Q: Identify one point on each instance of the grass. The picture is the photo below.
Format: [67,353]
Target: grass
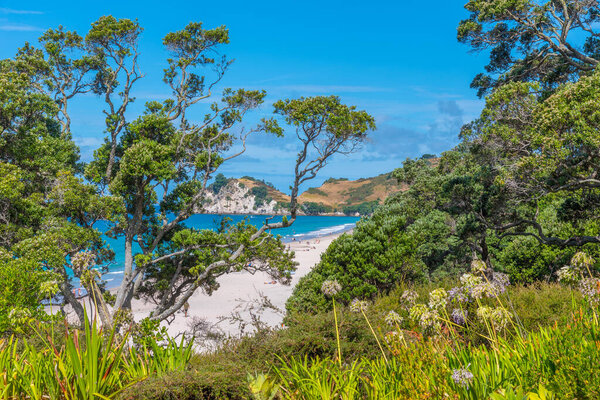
[88,364]
[538,342]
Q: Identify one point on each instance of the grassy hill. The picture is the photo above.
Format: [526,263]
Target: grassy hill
[335,195]
[273,193]
[352,196]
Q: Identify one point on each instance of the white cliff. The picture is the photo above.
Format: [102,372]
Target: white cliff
[234,198]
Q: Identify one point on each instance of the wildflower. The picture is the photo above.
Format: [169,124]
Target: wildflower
[590,288]
[483,289]
[19,316]
[500,281]
[331,288]
[409,297]
[458,294]
[416,311]
[459,316]
[500,318]
[581,259]
[358,305]
[478,266]
[49,288]
[569,274]
[462,376]
[429,319]
[393,336]
[438,298]
[484,312]
[393,318]
[470,280]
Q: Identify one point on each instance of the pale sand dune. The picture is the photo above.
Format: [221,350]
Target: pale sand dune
[235,291]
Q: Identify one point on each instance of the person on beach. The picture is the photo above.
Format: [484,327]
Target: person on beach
[186,307]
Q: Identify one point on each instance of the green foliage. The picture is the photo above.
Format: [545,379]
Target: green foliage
[220,181]
[335,180]
[261,195]
[340,121]
[23,285]
[365,208]
[522,47]
[374,259]
[87,365]
[312,208]
[316,191]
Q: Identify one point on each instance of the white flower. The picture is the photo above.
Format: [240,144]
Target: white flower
[358,305]
[438,298]
[331,288]
[478,266]
[569,275]
[470,280]
[409,297]
[393,318]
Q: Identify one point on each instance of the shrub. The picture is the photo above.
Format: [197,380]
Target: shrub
[215,382]
[312,208]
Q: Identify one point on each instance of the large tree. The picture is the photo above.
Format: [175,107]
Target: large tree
[544,150]
[167,157]
[550,42]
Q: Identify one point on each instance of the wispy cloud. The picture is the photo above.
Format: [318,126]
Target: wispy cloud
[19,28]
[336,89]
[20,12]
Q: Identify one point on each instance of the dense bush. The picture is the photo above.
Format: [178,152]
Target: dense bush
[312,208]
[220,182]
[436,228]
[216,382]
[365,208]
[261,195]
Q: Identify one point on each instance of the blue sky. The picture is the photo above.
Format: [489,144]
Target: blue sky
[398,60]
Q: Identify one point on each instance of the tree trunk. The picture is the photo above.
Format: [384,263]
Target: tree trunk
[123,294]
[75,304]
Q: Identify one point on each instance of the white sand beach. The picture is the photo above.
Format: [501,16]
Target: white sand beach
[237,289]
[236,292]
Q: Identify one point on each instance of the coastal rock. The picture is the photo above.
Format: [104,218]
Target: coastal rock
[235,198]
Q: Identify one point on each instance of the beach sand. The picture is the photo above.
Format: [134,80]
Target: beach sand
[236,293]
[238,290]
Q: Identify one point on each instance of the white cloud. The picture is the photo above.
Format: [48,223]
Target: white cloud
[19,28]
[88,141]
[335,89]
[19,12]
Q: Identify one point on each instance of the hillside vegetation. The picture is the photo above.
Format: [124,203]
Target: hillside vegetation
[340,194]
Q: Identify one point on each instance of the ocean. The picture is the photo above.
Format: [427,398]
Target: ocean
[304,228]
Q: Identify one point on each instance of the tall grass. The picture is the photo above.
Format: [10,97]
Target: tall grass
[88,364]
[444,362]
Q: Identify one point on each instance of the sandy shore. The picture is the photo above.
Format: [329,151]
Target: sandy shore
[237,292]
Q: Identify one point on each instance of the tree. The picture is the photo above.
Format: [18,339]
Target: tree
[160,152]
[545,150]
[550,42]
[46,213]
[219,182]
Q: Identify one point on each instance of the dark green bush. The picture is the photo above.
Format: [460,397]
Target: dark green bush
[218,380]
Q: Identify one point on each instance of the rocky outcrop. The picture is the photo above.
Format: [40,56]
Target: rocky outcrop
[235,198]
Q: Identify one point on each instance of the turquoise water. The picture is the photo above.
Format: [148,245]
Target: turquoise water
[304,228]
